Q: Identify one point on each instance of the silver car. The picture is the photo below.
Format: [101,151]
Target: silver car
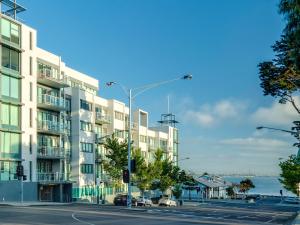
[166,202]
[144,201]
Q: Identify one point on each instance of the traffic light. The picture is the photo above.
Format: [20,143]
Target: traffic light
[24,177]
[133,166]
[20,171]
[126,176]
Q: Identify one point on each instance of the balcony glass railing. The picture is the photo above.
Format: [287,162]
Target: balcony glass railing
[51,100]
[48,125]
[102,117]
[47,151]
[53,75]
[52,177]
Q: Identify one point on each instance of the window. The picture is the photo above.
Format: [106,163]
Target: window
[119,115]
[85,126]
[30,117]
[8,170]
[30,40]
[119,133]
[30,91]
[10,59]
[30,144]
[86,168]
[30,65]
[10,31]
[10,144]
[10,87]
[85,105]
[143,138]
[10,115]
[86,147]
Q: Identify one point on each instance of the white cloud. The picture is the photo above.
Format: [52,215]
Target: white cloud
[256,144]
[276,114]
[200,118]
[209,114]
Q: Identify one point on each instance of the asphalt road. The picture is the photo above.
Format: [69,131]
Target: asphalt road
[212,213]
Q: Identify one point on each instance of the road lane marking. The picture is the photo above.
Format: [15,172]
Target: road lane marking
[80,221]
[178,219]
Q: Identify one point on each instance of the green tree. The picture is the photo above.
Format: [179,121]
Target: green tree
[280,77]
[290,174]
[116,155]
[230,191]
[177,191]
[165,174]
[143,175]
[246,185]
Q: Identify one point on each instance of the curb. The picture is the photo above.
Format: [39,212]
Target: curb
[296,221]
[33,204]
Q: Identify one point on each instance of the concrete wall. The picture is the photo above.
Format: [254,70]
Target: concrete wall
[11,191]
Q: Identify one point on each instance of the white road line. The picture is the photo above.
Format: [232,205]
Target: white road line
[80,221]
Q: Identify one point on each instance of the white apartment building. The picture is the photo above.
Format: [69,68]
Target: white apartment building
[52,121]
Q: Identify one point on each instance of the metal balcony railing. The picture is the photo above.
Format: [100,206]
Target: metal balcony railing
[51,152]
[51,100]
[52,78]
[102,118]
[51,177]
[51,126]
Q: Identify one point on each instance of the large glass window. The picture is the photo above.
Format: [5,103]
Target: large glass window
[10,144]
[85,105]
[10,31]
[85,126]
[8,170]
[10,59]
[10,87]
[86,168]
[86,147]
[119,115]
[10,115]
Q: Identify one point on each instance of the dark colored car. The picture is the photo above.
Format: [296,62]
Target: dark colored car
[121,199]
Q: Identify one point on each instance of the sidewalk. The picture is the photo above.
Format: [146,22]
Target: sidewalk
[19,204]
[296,221]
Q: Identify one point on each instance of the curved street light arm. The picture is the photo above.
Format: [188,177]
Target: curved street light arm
[271,128]
[153,85]
[150,86]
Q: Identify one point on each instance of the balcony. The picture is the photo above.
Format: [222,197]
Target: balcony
[102,119]
[46,152]
[52,177]
[49,78]
[51,102]
[100,139]
[134,126]
[50,127]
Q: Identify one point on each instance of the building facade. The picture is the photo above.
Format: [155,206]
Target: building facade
[53,122]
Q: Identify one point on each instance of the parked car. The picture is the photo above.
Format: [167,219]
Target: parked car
[166,202]
[144,201]
[121,199]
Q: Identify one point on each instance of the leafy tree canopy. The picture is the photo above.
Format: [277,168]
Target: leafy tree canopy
[246,185]
[116,158]
[281,76]
[290,174]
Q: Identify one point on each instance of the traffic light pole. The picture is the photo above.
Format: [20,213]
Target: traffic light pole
[22,191]
[129,151]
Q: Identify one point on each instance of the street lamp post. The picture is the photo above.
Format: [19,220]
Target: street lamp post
[131,96]
[294,133]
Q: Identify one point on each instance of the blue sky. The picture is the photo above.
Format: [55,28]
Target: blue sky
[219,42]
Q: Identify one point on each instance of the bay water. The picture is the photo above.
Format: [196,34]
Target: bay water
[264,185]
